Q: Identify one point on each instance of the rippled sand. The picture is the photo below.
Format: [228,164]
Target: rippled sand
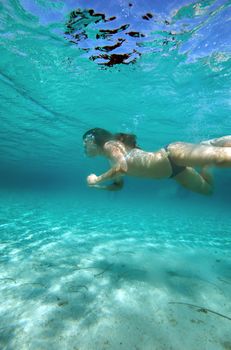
[112,281]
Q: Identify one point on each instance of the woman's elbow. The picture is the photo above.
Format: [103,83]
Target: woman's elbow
[123,169]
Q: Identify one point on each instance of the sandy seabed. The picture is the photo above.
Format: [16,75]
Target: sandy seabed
[89,286]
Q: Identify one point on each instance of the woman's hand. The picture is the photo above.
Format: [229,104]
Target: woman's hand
[92,180]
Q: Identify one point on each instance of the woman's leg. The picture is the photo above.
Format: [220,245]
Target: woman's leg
[192,155]
[193,181]
[224,141]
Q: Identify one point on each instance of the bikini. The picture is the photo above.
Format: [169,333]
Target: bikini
[176,169]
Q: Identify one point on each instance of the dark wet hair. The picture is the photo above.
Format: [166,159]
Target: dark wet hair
[101,136]
[127,139]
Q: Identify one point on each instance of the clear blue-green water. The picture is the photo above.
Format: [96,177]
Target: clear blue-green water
[147,268]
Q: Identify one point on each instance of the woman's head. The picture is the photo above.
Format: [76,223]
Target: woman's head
[94,140]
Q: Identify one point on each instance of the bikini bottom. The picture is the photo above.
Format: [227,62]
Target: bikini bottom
[176,169]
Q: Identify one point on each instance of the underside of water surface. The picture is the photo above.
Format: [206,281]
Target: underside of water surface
[145,268]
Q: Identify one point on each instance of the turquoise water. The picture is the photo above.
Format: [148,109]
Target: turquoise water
[146,268]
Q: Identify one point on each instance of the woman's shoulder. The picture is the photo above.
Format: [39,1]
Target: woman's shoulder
[113,144]
[115,148]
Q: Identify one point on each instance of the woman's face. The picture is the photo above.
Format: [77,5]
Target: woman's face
[90,147]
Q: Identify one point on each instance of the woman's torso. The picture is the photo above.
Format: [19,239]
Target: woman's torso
[145,164]
[148,164]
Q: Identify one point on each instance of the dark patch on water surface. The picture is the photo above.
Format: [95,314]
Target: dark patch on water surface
[147,16]
[107,41]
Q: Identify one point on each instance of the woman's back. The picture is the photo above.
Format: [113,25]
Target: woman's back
[148,164]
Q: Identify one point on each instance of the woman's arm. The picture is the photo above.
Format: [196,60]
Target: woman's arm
[116,155]
[110,174]
[115,186]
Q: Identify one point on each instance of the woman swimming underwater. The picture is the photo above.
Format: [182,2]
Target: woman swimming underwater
[176,161]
